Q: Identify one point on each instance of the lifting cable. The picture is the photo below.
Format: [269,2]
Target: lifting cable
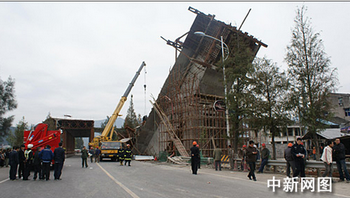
[145,93]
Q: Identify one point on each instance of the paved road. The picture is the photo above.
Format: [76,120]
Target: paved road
[148,180]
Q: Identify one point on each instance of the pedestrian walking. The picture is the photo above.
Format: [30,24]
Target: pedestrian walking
[28,162]
[339,156]
[121,155]
[84,156]
[127,155]
[265,153]
[97,155]
[46,155]
[327,159]
[194,158]
[299,154]
[13,162]
[251,153]
[217,158]
[288,156]
[92,154]
[37,165]
[21,159]
[59,157]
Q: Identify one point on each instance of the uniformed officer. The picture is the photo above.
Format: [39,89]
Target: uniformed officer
[127,154]
[28,161]
[299,154]
[121,155]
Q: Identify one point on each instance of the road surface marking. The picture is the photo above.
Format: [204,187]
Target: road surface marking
[132,194]
[4,180]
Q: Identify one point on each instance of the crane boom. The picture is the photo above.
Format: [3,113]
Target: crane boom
[113,118]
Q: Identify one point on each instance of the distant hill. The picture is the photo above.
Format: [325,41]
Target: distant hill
[119,122]
[3,139]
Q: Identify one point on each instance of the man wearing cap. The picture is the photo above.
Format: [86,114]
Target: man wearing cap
[265,153]
[194,157]
[288,156]
[127,155]
[59,157]
[28,161]
[299,154]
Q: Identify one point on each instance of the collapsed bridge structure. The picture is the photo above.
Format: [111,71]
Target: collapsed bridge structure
[192,87]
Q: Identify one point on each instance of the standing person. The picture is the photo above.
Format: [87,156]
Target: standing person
[265,153]
[84,156]
[242,155]
[59,157]
[194,158]
[21,159]
[97,155]
[28,162]
[251,153]
[230,156]
[339,156]
[7,156]
[121,155]
[299,154]
[37,165]
[92,154]
[46,155]
[217,158]
[2,158]
[13,161]
[327,159]
[288,156]
[127,155]
[314,153]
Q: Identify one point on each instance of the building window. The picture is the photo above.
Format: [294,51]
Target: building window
[347,111]
[290,132]
[297,132]
[340,100]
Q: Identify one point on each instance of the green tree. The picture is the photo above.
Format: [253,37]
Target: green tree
[16,139]
[311,76]
[7,103]
[238,67]
[131,119]
[271,109]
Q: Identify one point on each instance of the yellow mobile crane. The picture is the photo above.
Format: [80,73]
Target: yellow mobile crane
[109,148]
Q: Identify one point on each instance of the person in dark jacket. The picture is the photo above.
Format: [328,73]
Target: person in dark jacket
[265,153]
[59,157]
[13,161]
[84,156]
[127,155]
[288,156]
[339,156]
[121,155]
[37,165]
[251,153]
[21,159]
[299,153]
[28,162]
[97,155]
[194,158]
[46,156]
[92,154]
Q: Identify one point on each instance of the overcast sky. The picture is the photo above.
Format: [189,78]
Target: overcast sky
[79,58]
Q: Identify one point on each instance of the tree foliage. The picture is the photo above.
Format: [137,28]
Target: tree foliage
[16,139]
[131,119]
[7,103]
[271,109]
[311,75]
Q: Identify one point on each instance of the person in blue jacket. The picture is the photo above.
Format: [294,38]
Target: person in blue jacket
[46,155]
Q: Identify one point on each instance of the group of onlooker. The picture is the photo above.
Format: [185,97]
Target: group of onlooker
[4,157]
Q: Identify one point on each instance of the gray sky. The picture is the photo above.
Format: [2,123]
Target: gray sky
[79,58]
